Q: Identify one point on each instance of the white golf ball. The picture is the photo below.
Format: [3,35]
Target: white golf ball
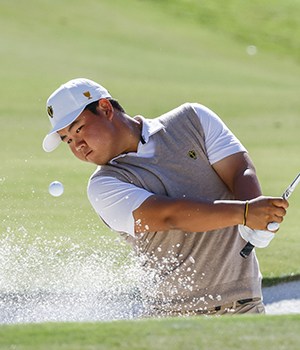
[251,50]
[56,188]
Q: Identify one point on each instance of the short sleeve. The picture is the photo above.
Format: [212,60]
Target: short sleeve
[220,142]
[114,201]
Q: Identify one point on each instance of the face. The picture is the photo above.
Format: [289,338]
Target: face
[92,137]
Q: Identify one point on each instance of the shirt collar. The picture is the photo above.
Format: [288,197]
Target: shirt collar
[149,127]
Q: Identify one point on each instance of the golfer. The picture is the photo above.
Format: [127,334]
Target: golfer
[176,187]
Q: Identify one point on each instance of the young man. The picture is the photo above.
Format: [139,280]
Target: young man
[177,187]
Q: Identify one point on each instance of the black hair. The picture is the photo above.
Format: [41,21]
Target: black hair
[92,107]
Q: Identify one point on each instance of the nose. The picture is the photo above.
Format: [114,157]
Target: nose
[79,145]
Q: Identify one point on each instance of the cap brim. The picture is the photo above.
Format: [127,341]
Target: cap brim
[52,140]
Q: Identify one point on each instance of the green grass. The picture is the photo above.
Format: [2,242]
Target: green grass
[243,332]
[270,25]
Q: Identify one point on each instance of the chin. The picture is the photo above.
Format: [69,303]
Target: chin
[96,162]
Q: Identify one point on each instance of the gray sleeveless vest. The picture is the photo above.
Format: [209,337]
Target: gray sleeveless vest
[194,270]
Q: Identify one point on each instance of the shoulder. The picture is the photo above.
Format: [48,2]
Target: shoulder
[179,114]
[101,178]
[106,171]
[183,108]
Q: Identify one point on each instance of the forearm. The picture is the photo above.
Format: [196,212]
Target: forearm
[162,213]
[190,216]
[159,213]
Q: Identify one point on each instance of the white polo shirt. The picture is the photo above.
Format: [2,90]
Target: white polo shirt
[115,201]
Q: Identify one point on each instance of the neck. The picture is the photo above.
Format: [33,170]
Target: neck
[133,136]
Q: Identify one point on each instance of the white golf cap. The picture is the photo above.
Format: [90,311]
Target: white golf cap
[66,103]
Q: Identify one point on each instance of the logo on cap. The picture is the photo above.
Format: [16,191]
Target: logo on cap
[88,95]
[50,111]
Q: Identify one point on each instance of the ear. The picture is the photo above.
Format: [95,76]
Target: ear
[106,107]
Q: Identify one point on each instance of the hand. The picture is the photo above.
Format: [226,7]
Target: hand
[263,210]
[258,238]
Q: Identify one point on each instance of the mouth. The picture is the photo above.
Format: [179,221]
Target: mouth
[87,154]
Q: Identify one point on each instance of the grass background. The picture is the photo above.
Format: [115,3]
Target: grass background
[246,332]
[152,55]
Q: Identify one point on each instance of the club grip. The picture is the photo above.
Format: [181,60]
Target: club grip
[246,250]
[273,226]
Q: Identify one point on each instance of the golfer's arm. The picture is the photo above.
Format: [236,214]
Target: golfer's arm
[160,213]
[238,173]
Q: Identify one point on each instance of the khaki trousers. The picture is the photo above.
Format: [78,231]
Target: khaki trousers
[255,306]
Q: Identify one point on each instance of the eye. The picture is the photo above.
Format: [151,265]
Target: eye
[69,141]
[78,130]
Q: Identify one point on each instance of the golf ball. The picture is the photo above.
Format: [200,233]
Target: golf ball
[251,50]
[56,188]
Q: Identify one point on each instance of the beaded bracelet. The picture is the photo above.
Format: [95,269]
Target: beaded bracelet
[246,212]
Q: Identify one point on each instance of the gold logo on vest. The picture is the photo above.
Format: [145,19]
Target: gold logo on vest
[192,154]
